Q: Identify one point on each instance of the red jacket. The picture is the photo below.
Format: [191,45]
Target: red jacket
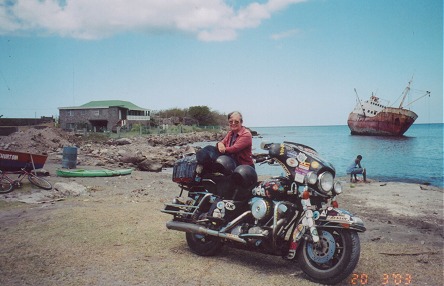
[241,148]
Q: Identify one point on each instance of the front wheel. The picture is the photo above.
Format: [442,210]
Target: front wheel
[204,245]
[5,186]
[39,182]
[333,258]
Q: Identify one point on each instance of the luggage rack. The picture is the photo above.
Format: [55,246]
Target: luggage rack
[179,209]
[182,207]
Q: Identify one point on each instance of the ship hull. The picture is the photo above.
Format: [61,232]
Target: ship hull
[389,122]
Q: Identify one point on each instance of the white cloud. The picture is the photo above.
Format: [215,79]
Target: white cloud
[209,20]
[286,34]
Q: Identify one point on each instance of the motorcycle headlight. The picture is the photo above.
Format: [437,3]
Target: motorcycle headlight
[326,182]
[338,187]
[311,178]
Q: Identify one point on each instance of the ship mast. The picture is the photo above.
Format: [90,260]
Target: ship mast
[404,94]
[360,103]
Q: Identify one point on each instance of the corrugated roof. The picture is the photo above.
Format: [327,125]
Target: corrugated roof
[110,103]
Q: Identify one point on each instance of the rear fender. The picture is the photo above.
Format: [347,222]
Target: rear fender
[339,218]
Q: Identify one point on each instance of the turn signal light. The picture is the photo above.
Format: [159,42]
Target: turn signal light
[305,195]
[335,204]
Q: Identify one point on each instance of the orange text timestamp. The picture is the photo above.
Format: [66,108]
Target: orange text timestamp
[388,279]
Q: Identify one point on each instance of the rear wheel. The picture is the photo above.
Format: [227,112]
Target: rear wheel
[333,258]
[39,182]
[204,245]
[5,186]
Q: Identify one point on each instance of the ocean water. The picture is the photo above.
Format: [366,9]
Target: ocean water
[417,157]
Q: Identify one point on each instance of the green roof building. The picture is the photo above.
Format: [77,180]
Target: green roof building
[103,115]
[111,103]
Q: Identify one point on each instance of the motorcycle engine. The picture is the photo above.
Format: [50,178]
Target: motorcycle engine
[274,188]
[246,229]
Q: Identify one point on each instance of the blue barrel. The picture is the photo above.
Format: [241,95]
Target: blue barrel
[69,160]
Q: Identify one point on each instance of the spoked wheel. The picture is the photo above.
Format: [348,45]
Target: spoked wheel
[5,186]
[204,245]
[39,182]
[333,258]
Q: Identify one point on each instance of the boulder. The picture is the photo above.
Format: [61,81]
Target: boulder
[123,141]
[133,158]
[71,189]
[150,166]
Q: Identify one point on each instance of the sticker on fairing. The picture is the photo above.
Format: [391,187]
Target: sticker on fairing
[282,150]
[292,162]
[314,164]
[299,177]
[292,153]
[229,205]
[304,165]
[299,174]
[301,157]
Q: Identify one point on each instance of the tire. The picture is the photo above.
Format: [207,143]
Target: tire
[204,245]
[5,186]
[39,182]
[335,260]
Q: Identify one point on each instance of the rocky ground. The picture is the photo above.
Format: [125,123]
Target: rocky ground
[110,231]
[145,153]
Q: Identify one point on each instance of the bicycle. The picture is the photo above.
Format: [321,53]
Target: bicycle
[8,185]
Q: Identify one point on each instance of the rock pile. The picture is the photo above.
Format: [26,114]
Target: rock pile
[146,153]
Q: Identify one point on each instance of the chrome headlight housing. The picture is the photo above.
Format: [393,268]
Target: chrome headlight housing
[338,187]
[326,182]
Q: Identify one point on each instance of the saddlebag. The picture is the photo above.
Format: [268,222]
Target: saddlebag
[184,170]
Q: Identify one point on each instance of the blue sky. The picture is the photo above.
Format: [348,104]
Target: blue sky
[279,62]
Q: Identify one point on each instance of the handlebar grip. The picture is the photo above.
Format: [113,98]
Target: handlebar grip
[260,159]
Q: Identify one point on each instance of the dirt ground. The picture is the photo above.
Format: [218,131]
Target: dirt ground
[115,234]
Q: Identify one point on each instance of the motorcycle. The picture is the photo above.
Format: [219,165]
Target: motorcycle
[295,216]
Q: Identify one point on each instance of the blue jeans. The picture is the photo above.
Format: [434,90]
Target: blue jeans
[357,171]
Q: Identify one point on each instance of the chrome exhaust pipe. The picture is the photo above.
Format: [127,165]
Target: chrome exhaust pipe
[192,228]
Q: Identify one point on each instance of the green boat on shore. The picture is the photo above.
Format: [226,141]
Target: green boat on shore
[93,173]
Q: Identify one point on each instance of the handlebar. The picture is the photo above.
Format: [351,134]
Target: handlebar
[259,158]
[263,158]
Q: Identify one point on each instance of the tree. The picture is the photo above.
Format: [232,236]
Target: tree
[202,114]
[173,112]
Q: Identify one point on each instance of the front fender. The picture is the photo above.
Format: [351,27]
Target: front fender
[339,218]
